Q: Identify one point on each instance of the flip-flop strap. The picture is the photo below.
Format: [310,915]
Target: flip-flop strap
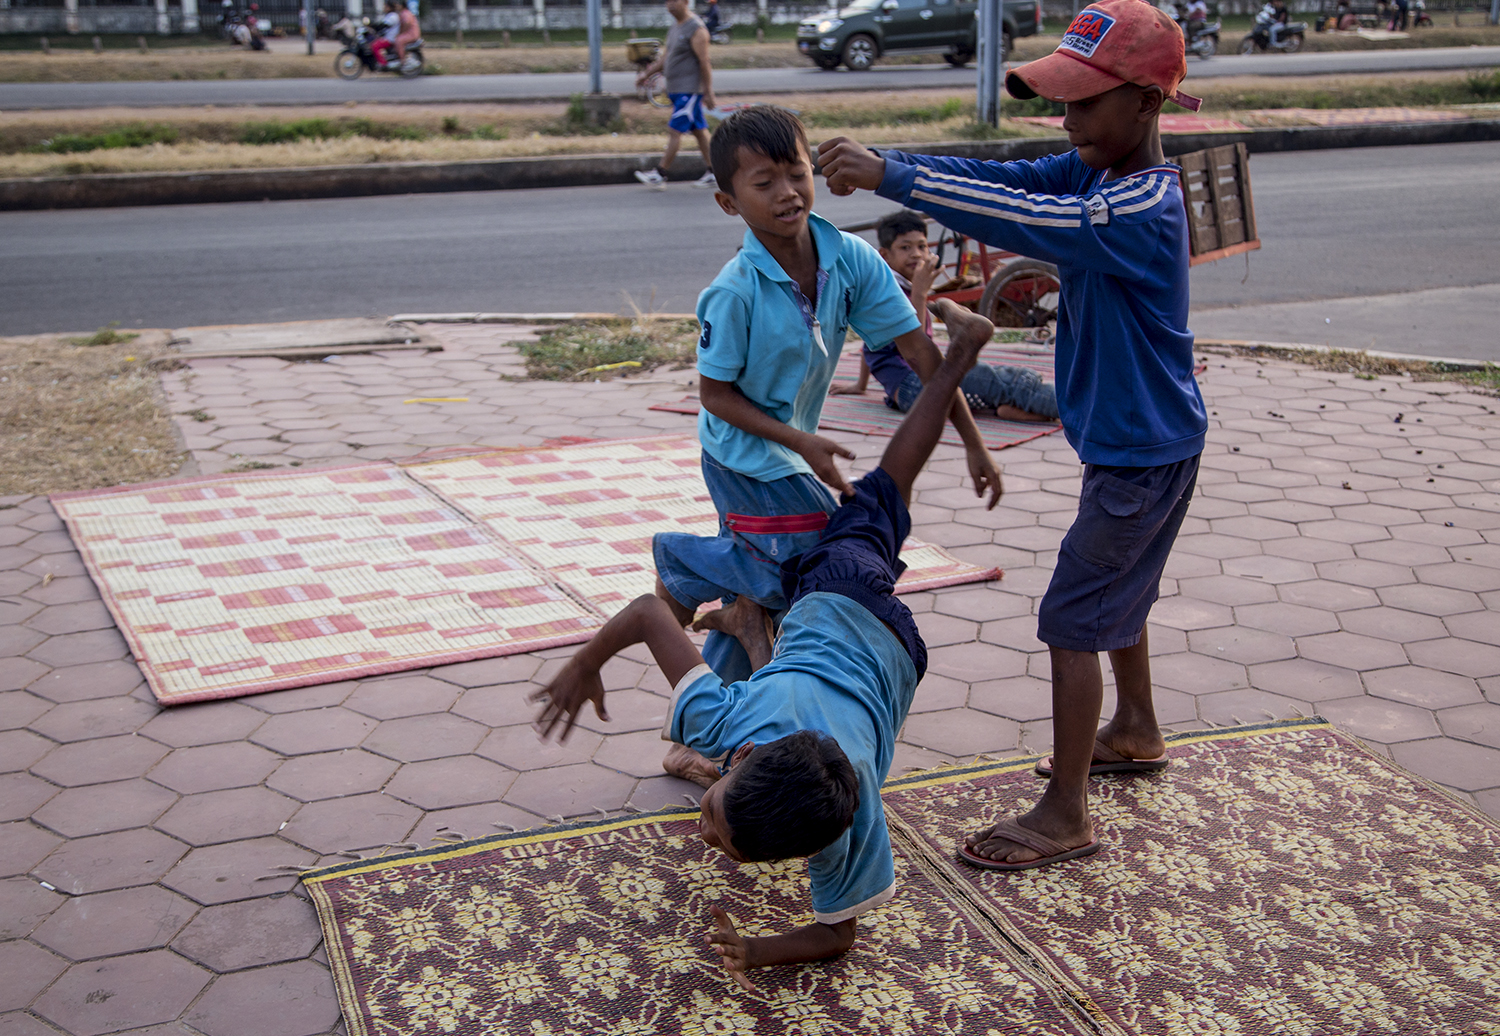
[1104,754]
[1011,830]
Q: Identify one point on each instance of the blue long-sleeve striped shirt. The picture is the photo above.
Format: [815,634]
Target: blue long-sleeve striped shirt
[1125,383]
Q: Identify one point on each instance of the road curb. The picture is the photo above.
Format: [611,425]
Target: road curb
[1444,362]
[110,190]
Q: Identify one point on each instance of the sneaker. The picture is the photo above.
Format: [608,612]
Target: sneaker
[707,180]
[652,179]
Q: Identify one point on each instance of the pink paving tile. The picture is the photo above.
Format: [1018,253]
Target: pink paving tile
[238,870]
[80,682]
[981,605]
[425,737]
[97,808]
[78,648]
[303,733]
[401,696]
[357,823]
[22,846]
[20,708]
[20,748]
[1197,674]
[1430,600]
[250,933]
[1392,624]
[1241,644]
[225,816]
[1454,763]
[214,767]
[1424,687]
[1227,589]
[971,662]
[21,794]
[100,760]
[1451,655]
[107,924]
[16,673]
[84,720]
[1460,575]
[1248,705]
[1478,723]
[110,861]
[330,775]
[28,970]
[962,732]
[1351,651]
[24,904]
[1376,719]
[445,783]
[570,791]
[122,993]
[1334,597]
[1185,613]
[937,692]
[520,748]
[319,696]
[206,723]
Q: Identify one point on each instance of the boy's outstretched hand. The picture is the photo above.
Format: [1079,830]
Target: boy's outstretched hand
[848,165]
[731,948]
[985,474]
[819,453]
[565,696]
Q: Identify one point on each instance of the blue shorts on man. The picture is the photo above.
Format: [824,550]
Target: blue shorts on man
[687,113]
[780,350]
[847,663]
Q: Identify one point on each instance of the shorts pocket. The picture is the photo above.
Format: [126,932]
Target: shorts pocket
[1109,521]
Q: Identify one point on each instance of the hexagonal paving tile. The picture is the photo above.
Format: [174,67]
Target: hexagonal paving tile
[24,904]
[962,732]
[22,846]
[352,824]
[444,783]
[107,924]
[238,764]
[111,861]
[251,933]
[322,730]
[1423,687]
[1300,679]
[239,870]
[206,723]
[1451,655]
[970,662]
[1386,722]
[300,995]
[226,816]
[97,808]
[1241,644]
[570,791]
[80,682]
[121,993]
[425,737]
[99,760]
[1197,674]
[332,775]
[1454,763]
[1478,723]
[27,970]
[400,696]
[1351,651]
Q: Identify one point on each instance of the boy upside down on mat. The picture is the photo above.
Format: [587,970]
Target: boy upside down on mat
[809,736]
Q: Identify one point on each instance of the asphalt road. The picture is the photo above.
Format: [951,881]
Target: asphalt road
[1336,225]
[448,89]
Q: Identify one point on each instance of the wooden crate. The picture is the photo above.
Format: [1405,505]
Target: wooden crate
[1221,213]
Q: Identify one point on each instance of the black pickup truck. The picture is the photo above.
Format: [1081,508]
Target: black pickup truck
[858,33]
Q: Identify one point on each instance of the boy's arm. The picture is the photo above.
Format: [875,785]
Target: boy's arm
[1055,225]
[648,619]
[923,356]
[860,384]
[727,403]
[739,954]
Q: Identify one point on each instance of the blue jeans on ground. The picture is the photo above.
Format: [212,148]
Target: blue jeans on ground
[987,387]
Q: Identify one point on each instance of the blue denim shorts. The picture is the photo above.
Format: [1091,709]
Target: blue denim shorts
[1108,572]
[988,387]
[858,557]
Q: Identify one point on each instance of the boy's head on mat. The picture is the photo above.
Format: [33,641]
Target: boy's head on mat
[790,798]
[760,157]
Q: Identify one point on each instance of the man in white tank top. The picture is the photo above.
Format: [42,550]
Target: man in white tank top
[684,60]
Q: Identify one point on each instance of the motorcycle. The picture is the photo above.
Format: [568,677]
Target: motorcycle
[1204,41]
[359,53]
[1288,40]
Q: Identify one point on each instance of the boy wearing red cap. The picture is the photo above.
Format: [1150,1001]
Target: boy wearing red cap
[1110,214]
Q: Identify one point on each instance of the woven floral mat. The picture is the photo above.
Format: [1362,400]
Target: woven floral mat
[229,585]
[869,415]
[1276,879]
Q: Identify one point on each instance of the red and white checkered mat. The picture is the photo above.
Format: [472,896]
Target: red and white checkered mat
[229,585]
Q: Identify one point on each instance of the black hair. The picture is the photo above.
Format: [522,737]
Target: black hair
[894,224]
[790,798]
[763,128]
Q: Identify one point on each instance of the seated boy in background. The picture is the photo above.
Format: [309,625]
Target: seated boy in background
[809,736]
[1010,393]
[1110,214]
[774,322]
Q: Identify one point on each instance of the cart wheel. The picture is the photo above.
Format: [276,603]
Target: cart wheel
[348,65]
[656,91]
[1022,293]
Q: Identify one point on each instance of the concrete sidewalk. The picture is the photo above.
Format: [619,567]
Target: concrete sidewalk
[1341,558]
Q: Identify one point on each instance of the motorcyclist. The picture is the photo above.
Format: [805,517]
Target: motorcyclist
[408,31]
[1279,17]
[1194,18]
[711,19]
[390,28]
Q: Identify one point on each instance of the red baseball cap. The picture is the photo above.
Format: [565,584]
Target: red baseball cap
[1108,44]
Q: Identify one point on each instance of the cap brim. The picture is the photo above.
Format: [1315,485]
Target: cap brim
[1059,77]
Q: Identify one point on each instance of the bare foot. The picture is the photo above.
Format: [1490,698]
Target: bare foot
[967,333]
[1133,742]
[745,621]
[1006,412]
[681,612]
[992,847]
[682,761]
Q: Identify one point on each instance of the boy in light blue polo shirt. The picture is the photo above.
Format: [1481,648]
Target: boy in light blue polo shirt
[774,322]
[811,735]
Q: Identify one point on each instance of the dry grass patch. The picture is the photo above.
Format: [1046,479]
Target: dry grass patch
[600,349]
[83,416]
[1361,364]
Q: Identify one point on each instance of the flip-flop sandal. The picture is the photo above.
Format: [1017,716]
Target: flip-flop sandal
[1107,760]
[1011,829]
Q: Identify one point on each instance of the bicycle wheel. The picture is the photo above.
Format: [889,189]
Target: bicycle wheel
[656,91]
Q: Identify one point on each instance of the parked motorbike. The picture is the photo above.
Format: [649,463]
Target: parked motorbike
[1204,41]
[1288,40]
[359,53]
